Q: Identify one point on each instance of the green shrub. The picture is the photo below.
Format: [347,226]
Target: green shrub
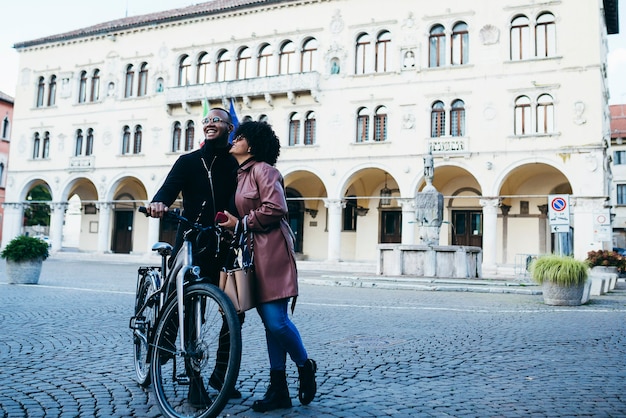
[23,248]
[561,270]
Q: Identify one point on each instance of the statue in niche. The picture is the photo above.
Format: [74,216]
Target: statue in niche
[334,66]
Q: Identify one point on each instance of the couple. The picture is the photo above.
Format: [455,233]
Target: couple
[208,178]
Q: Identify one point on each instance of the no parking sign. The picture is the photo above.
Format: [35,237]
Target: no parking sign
[558,209]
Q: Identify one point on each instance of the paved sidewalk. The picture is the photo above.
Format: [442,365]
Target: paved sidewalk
[66,350]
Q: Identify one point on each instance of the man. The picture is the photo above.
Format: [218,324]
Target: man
[207,179]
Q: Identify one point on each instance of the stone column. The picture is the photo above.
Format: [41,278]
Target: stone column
[104,226]
[57,214]
[13,221]
[544,230]
[408,220]
[334,228]
[490,237]
[505,230]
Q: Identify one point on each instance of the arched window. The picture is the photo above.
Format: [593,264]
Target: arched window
[36,145]
[309,129]
[545,114]
[380,124]
[189,134]
[130,79]
[522,116]
[264,119]
[41,88]
[287,64]
[382,51]
[437,46]
[309,55]
[362,125]
[545,36]
[437,120]
[89,144]
[95,86]
[457,118]
[126,140]
[294,129]
[45,152]
[137,140]
[176,133]
[82,87]
[362,45]
[1,174]
[78,150]
[142,85]
[184,66]
[204,66]
[264,60]
[222,66]
[244,64]
[52,90]
[5,128]
[520,38]
[460,44]
[247,118]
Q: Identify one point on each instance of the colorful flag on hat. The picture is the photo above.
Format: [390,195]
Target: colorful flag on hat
[234,120]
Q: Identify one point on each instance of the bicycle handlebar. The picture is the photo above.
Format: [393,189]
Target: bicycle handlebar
[174,214]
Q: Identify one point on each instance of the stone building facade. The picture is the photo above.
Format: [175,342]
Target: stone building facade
[510,98]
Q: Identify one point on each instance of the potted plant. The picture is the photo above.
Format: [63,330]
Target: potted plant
[606,261]
[24,256]
[562,278]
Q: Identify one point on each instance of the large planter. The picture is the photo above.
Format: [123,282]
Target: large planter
[24,272]
[560,295]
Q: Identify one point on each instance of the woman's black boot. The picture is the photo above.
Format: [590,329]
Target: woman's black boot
[308,387]
[277,395]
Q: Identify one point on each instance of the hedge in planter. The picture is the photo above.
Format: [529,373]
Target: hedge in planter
[562,278]
[24,256]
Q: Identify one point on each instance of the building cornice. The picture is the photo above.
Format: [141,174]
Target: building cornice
[201,10]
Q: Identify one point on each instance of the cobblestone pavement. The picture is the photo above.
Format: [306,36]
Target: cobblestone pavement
[65,351]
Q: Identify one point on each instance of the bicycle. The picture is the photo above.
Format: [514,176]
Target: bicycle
[179,321]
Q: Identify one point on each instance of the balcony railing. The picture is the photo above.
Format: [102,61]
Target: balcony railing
[448,144]
[266,87]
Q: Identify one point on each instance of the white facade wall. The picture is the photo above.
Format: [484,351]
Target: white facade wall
[495,167]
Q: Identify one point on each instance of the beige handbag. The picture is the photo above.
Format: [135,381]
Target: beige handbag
[239,285]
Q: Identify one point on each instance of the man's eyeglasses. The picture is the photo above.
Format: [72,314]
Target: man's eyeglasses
[214,119]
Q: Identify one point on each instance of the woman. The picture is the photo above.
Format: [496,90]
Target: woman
[260,200]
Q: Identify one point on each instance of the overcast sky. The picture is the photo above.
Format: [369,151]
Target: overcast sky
[25,20]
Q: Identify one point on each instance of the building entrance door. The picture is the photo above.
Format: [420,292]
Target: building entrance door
[123,232]
[467,228]
[391,227]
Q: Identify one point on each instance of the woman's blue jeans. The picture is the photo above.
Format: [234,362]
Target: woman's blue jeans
[281,335]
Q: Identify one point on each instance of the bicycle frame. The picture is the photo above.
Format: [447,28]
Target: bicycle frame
[181,268]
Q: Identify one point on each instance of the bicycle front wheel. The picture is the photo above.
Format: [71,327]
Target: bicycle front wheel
[196,382]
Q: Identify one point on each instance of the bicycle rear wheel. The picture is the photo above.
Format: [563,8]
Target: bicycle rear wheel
[181,379]
[144,324]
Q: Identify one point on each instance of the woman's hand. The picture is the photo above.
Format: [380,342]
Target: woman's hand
[231,223]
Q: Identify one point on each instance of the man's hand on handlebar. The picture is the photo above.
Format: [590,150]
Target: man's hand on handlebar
[156,209]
